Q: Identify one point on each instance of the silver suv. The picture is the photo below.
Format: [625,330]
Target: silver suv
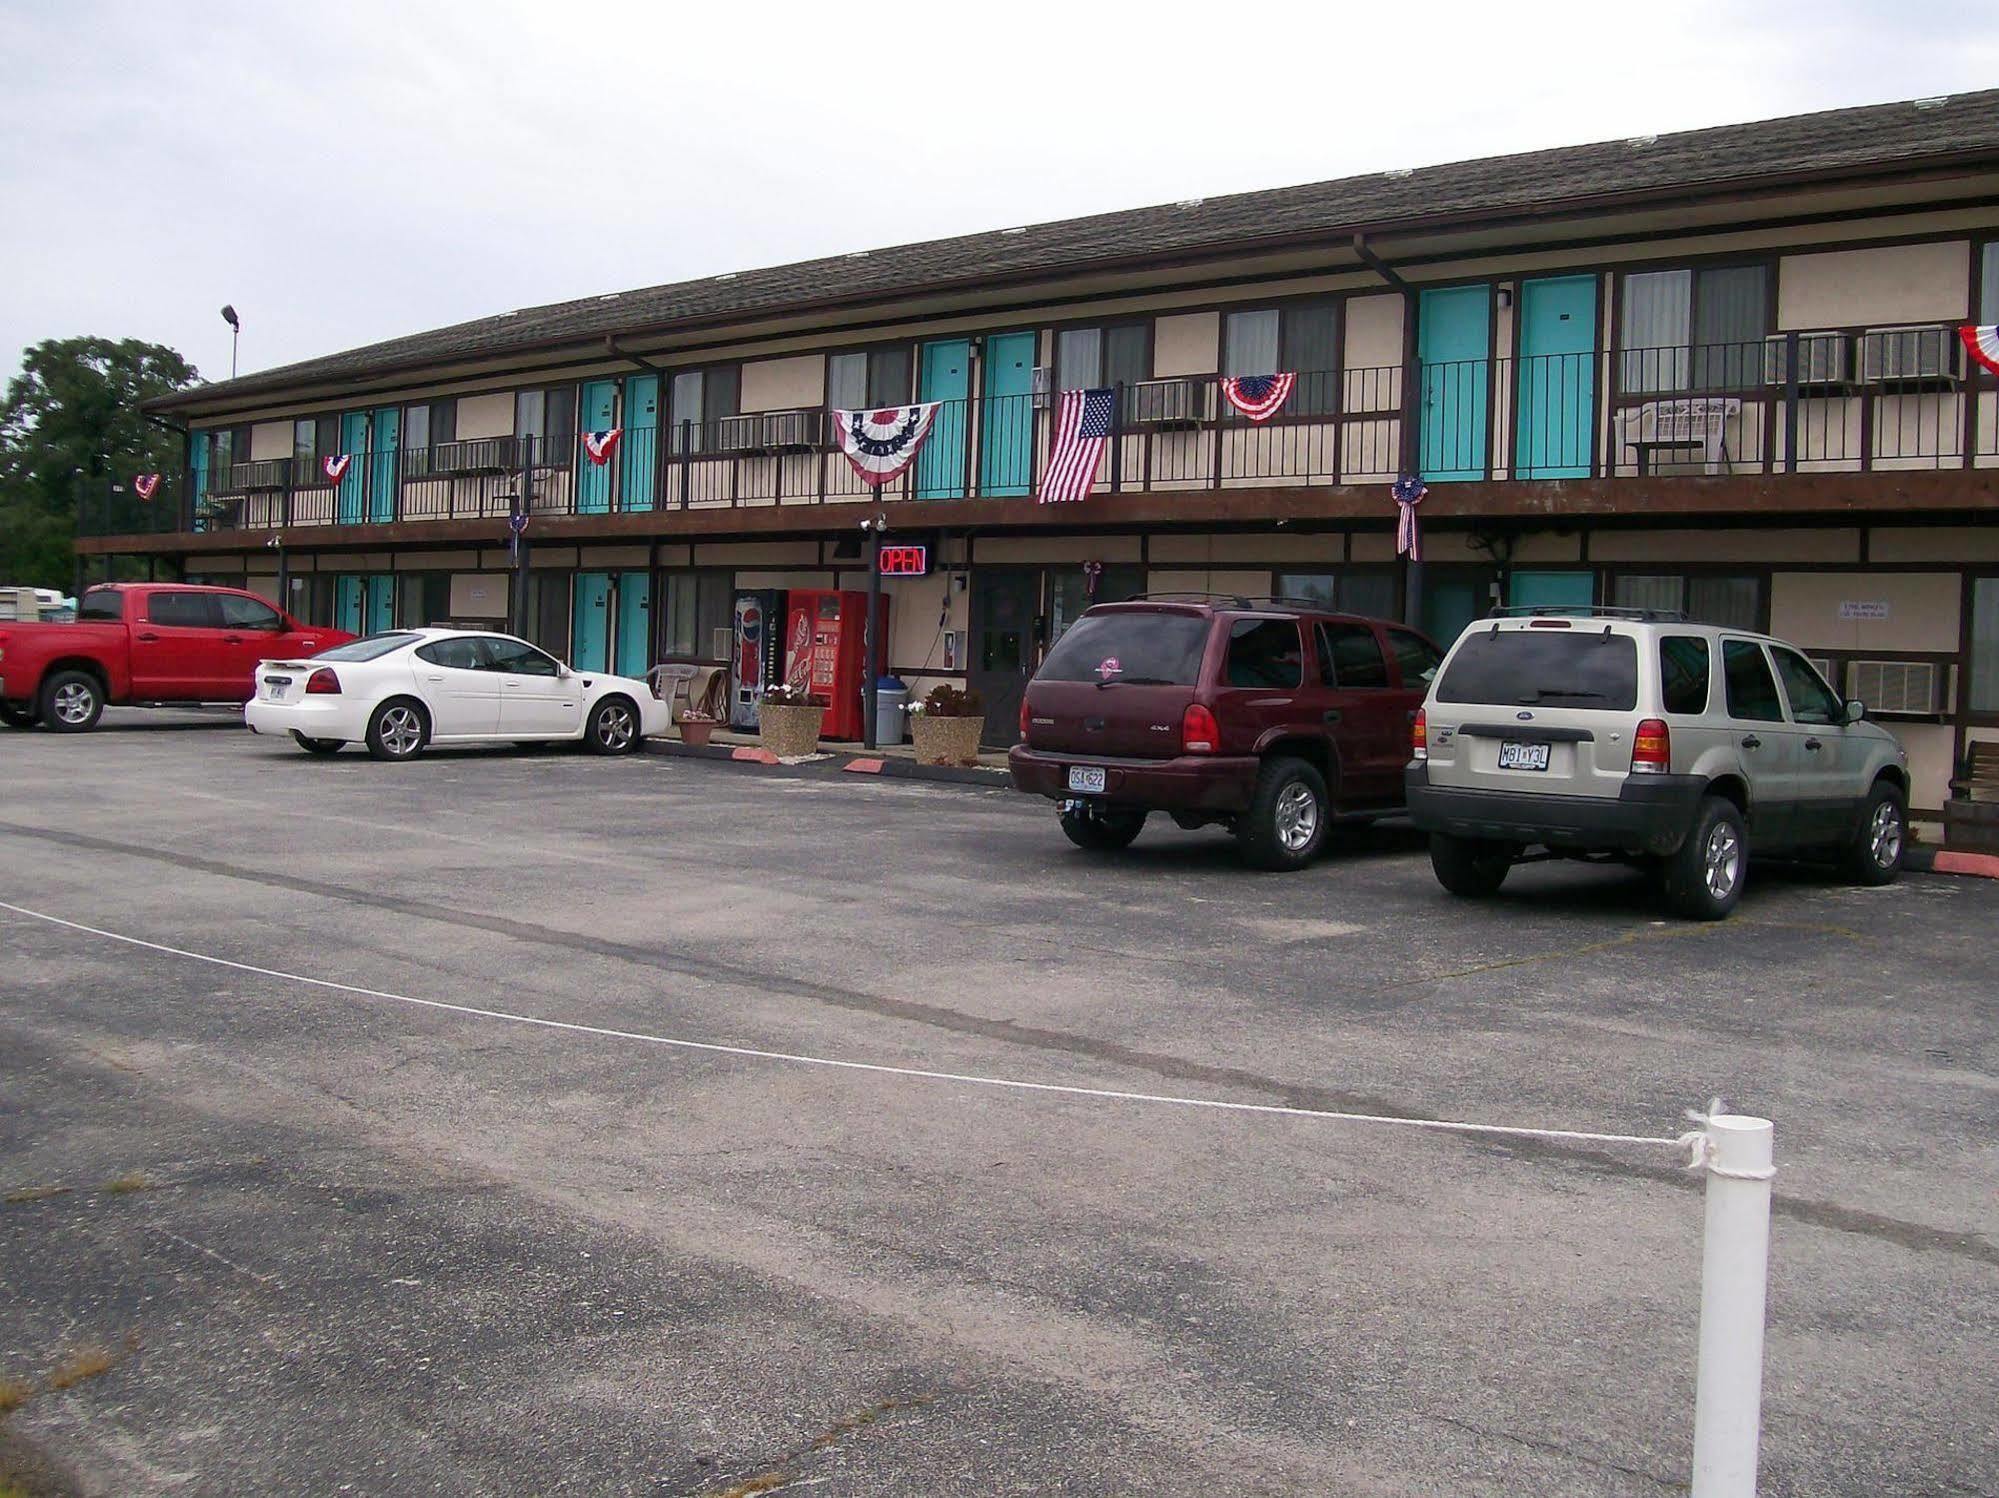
[1613,733]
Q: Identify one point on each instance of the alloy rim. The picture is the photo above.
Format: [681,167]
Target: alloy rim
[1885,836]
[402,730]
[1297,817]
[74,702]
[1723,861]
[614,727]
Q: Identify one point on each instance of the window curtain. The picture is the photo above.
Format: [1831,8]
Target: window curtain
[1251,344]
[1658,307]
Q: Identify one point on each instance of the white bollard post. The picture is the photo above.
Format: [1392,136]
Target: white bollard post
[1735,1262]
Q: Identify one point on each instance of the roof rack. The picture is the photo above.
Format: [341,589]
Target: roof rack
[1586,611]
[1231,600]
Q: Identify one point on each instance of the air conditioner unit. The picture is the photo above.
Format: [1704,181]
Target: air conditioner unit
[1823,665]
[1889,355]
[1909,687]
[1170,403]
[1822,359]
[721,642]
[739,434]
[791,430]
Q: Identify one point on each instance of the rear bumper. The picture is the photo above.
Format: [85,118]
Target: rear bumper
[324,717]
[1193,782]
[1652,814]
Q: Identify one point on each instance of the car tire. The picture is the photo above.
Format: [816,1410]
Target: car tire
[23,716]
[1470,867]
[614,727]
[1875,855]
[1101,829]
[71,702]
[1704,877]
[317,746]
[398,729]
[1289,811]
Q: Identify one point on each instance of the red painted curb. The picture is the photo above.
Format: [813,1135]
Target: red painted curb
[865,766]
[1978,865]
[755,756]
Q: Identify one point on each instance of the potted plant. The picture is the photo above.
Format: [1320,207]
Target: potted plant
[788,720]
[696,727]
[946,726]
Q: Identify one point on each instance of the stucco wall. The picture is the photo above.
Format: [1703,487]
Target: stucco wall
[478,595]
[1187,343]
[1891,284]
[784,384]
[1922,610]
[1374,331]
[270,439]
[486,415]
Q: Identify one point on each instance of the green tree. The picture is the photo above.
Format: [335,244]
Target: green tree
[70,423]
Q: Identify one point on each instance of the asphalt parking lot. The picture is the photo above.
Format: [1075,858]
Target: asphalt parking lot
[334,1242]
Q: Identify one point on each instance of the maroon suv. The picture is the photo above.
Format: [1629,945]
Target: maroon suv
[1270,720]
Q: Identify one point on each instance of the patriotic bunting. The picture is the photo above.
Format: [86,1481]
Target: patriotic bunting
[1408,494]
[517,522]
[599,446]
[1258,396]
[1983,342]
[146,485]
[1082,427]
[334,466]
[881,444]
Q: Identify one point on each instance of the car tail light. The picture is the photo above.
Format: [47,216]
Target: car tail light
[1651,748]
[1023,717]
[1419,736]
[323,680]
[1199,733]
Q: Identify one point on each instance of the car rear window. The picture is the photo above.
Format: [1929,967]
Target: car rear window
[183,610]
[1138,646]
[105,604]
[1684,673]
[368,647]
[1544,668]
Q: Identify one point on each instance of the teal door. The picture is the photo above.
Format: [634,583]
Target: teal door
[1454,345]
[198,465]
[347,605]
[1006,415]
[1557,375]
[590,622]
[379,593]
[354,482]
[382,471]
[638,449]
[634,652]
[946,376]
[596,412]
[1552,590]
[1449,604]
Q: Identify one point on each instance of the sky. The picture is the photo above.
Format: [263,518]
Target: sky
[347,172]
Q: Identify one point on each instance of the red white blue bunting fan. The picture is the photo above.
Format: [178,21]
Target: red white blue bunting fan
[598,446]
[1258,396]
[881,444]
[146,485]
[334,465]
[1983,342]
[1408,494]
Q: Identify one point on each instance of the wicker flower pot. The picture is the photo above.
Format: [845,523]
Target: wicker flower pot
[696,730]
[789,732]
[946,741]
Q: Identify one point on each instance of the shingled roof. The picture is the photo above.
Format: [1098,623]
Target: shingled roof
[1831,143]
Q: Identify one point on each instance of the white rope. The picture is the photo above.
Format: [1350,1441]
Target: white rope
[1104,1094]
[1699,1144]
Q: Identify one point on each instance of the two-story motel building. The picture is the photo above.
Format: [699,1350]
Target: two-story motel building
[1714,371]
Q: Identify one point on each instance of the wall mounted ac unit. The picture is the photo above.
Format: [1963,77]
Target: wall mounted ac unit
[1822,359]
[739,434]
[722,642]
[790,430]
[1170,403]
[1888,355]
[1910,687]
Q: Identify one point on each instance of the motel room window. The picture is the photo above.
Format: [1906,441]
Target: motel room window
[1988,282]
[868,379]
[431,425]
[1695,329]
[1349,591]
[547,415]
[1250,343]
[1729,601]
[702,397]
[1985,645]
[1302,338]
[1093,358]
[697,615]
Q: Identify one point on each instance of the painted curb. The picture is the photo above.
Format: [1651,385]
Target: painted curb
[1977,865]
[990,777]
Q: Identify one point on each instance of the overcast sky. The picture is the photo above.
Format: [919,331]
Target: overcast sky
[347,172]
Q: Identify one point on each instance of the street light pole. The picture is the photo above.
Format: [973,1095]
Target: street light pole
[235,334]
[872,668]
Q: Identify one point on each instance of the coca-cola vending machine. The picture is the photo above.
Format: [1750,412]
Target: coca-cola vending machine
[825,650]
[756,654]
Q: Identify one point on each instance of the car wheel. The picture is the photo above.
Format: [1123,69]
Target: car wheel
[1101,829]
[317,746]
[614,727]
[22,716]
[398,730]
[1704,878]
[1469,866]
[1285,825]
[72,702]
[1875,855]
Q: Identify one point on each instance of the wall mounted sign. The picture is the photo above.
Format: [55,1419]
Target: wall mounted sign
[905,561]
[1864,608]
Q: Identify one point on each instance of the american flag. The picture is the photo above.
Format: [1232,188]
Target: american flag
[1082,427]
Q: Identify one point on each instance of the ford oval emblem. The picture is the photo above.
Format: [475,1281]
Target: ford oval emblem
[1525,717]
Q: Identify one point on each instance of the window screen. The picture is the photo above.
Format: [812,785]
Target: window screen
[1730,319]
[1684,672]
[1311,348]
[1752,690]
[888,376]
[1352,656]
[1731,602]
[1251,344]
[1658,316]
[1985,645]
[1265,653]
[1079,358]
[846,382]
[1126,356]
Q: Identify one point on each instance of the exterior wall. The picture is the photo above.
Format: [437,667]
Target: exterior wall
[784,384]
[1890,284]
[478,595]
[1730,545]
[1934,544]
[270,439]
[486,415]
[1208,580]
[1186,344]
[1922,616]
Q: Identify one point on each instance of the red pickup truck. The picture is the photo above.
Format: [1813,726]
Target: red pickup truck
[145,643]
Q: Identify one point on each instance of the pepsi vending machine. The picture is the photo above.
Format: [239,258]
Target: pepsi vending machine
[756,654]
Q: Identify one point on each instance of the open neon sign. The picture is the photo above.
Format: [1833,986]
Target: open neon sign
[905,561]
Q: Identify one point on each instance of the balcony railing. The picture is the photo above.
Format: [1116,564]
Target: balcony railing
[1824,401]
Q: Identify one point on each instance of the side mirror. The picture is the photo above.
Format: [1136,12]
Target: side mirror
[1856,710]
[562,672]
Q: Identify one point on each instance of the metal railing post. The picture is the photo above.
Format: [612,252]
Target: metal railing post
[1791,402]
[1117,437]
[1735,1265]
[686,462]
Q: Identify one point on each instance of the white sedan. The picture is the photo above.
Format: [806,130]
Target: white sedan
[401,691]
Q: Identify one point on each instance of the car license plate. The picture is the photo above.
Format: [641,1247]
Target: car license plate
[277,684]
[1514,755]
[1088,779]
